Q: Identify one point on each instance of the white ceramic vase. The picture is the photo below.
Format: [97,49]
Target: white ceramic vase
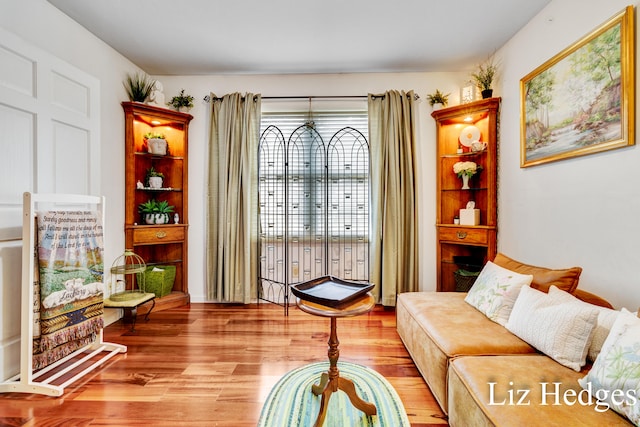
[161,218]
[157,146]
[156,218]
[465,181]
[155,182]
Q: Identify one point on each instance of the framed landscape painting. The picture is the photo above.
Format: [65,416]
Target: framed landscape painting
[582,100]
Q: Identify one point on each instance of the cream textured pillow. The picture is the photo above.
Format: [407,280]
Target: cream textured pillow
[604,321]
[562,330]
[495,291]
[615,375]
[606,318]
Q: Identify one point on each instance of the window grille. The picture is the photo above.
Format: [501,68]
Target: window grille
[314,200]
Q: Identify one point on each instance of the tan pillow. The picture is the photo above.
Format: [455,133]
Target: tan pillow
[592,298]
[566,279]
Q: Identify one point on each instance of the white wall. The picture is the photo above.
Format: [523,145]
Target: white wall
[583,211]
[294,85]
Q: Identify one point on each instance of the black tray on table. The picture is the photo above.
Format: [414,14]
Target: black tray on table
[330,291]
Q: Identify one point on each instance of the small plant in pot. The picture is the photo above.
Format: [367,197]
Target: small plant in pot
[483,77]
[437,100]
[154,178]
[156,143]
[181,102]
[138,86]
[154,212]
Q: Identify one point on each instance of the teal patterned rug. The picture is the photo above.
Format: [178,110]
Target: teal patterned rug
[291,402]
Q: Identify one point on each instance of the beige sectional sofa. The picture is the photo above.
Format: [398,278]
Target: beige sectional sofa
[481,374]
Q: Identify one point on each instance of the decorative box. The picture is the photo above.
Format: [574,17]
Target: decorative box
[469,216]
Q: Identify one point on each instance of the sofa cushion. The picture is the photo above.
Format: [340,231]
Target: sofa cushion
[560,328]
[565,279]
[617,368]
[591,298]
[604,321]
[475,402]
[436,326]
[495,291]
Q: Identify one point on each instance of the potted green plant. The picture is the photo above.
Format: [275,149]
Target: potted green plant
[438,100]
[156,143]
[155,212]
[138,86]
[181,102]
[483,77]
[154,178]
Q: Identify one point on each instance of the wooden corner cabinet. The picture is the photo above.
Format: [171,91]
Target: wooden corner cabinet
[465,244]
[160,242]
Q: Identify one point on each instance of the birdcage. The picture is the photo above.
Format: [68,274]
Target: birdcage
[127,277]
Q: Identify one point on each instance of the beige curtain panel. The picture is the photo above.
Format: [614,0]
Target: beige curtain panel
[394,234]
[232,199]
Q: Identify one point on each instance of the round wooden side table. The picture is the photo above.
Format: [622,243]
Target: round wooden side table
[331,381]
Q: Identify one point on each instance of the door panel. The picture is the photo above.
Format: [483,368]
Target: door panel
[50,143]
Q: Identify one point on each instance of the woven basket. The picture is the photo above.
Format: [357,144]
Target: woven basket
[159,279]
[465,279]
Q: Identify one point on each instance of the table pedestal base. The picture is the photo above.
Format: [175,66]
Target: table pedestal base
[331,382]
[326,388]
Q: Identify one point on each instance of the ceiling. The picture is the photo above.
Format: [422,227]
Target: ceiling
[200,37]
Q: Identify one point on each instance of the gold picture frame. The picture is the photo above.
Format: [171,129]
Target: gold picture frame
[581,101]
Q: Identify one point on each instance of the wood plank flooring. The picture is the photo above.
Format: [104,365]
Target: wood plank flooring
[214,365]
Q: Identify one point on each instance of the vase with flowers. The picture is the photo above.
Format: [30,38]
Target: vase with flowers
[466,170]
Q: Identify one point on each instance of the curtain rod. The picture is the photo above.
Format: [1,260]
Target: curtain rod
[208,98]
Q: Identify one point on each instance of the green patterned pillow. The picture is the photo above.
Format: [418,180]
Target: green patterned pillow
[614,378]
[495,291]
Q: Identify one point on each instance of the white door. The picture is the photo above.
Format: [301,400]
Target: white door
[49,143]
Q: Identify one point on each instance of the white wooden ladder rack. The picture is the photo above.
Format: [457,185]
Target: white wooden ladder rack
[44,381]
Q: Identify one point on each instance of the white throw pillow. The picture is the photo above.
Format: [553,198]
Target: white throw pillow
[495,291]
[559,328]
[615,375]
[604,322]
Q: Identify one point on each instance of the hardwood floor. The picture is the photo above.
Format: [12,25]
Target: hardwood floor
[214,365]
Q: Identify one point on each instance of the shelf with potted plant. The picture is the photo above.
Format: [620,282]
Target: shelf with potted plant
[162,239]
[155,212]
[154,181]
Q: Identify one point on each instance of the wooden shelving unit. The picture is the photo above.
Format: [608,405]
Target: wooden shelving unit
[465,247]
[158,244]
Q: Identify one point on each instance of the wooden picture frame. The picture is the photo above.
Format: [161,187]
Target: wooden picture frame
[581,101]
